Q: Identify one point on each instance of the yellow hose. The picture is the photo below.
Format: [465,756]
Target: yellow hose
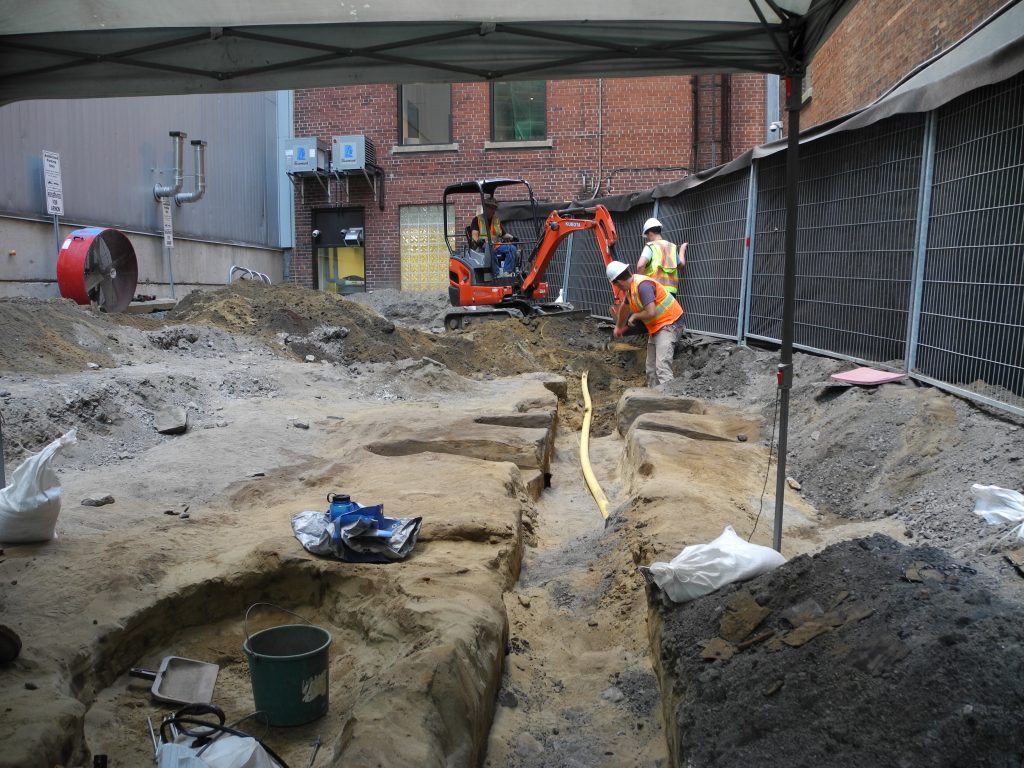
[588,473]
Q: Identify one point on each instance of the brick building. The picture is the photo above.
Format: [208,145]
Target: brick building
[571,139]
[878,43]
[588,138]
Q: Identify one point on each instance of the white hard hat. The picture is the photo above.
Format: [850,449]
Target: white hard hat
[651,224]
[615,269]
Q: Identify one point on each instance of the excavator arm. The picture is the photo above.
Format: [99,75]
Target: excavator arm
[561,224]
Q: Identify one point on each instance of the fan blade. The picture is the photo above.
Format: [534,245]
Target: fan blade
[108,296]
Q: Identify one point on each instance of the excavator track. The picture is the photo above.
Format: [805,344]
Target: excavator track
[464,317]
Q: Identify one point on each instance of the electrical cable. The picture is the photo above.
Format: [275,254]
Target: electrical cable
[768,469]
[190,714]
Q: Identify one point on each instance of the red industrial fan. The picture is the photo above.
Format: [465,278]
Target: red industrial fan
[98,266]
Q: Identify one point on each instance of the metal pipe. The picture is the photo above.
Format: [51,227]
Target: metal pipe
[794,87]
[200,190]
[162,190]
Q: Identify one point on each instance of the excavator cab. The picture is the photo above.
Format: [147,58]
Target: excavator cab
[477,289]
[482,258]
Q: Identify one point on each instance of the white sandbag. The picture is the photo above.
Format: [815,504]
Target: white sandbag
[702,568]
[999,505]
[30,504]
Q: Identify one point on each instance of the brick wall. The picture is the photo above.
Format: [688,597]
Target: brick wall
[878,43]
[621,128]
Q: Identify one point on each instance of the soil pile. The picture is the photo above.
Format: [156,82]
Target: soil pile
[885,655]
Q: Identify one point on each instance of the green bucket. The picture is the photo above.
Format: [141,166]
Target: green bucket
[289,671]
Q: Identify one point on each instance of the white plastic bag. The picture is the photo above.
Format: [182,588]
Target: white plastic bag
[702,568]
[30,504]
[227,751]
[999,505]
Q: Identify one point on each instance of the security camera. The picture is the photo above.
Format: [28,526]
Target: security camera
[316,233]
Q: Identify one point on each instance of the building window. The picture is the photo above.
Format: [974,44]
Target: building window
[424,254]
[426,113]
[519,111]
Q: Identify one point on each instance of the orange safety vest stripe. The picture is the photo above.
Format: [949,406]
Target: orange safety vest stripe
[667,309]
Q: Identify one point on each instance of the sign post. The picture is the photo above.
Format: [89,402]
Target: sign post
[165,204]
[54,190]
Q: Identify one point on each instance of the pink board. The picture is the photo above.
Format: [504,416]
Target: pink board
[867,377]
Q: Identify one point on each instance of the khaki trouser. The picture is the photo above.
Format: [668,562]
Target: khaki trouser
[660,351]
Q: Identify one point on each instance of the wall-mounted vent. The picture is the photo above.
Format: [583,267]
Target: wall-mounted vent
[352,153]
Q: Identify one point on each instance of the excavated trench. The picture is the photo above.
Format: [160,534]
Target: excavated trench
[377,625]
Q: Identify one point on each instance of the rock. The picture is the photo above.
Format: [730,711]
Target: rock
[300,425]
[93,366]
[742,437]
[613,694]
[97,501]
[508,699]
[310,359]
[635,402]
[10,645]
[792,483]
[528,746]
[172,420]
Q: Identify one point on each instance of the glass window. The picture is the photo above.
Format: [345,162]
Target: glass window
[519,111]
[426,113]
[423,250]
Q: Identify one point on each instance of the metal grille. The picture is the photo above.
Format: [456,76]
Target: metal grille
[855,242]
[588,282]
[712,219]
[972,305]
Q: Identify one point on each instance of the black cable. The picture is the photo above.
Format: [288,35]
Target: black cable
[768,469]
[190,714]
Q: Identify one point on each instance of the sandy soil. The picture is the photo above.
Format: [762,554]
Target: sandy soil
[520,632]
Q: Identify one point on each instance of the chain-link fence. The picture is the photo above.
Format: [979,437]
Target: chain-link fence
[910,247]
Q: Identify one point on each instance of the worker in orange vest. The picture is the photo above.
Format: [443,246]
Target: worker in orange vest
[647,302]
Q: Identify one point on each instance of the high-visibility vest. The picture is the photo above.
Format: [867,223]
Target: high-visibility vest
[496,230]
[667,309]
[663,266]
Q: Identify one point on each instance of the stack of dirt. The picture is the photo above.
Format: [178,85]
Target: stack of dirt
[870,653]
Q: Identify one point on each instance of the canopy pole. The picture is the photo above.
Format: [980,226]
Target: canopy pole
[784,376]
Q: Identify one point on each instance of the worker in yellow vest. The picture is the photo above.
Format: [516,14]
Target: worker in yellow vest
[647,302]
[661,260]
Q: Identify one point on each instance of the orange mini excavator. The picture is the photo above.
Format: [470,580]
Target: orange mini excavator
[476,289]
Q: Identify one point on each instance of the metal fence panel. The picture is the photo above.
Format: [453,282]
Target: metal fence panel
[588,281]
[855,243]
[712,219]
[972,309]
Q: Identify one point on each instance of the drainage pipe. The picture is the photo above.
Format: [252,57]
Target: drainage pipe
[588,472]
[162,190]
[200,190]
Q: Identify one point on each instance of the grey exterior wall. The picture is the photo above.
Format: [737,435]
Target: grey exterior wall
[113,151]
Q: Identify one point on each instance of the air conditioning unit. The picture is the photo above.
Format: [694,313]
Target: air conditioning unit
[352,153]
[305,155]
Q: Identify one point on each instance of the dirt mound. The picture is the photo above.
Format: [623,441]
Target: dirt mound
[861,645]
[46,336]
[337,329]
[900,450]
[422,309]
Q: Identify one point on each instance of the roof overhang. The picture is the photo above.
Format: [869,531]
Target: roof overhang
[73,49]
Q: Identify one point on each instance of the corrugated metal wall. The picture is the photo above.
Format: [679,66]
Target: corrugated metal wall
[113,151]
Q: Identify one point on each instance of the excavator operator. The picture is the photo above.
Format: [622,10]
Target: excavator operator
[488,221]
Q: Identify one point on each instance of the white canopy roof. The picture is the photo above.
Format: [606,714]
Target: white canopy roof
[71,48]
